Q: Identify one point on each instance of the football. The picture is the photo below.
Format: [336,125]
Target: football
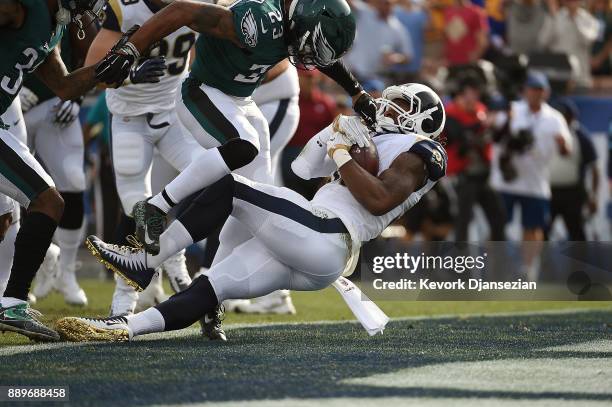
[366,157]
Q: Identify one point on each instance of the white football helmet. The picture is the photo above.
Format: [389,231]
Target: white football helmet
[426,116]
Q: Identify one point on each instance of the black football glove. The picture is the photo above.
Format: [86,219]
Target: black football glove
[116,65]
[365,106]
[148,70]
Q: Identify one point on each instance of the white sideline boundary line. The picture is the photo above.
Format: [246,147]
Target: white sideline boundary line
[19,349]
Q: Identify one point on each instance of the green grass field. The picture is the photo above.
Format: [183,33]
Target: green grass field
[531,353]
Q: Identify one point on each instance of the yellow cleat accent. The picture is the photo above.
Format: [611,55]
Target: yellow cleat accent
[81,330]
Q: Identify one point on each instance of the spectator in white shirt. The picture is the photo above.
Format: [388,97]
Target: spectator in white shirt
[380,41]
[572,30]
[522,158]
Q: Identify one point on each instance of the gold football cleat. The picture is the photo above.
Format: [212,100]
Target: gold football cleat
[114,329]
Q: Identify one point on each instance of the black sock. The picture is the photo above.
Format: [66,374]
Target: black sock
[74,210]
[126,226]
[31,246]
[189,306]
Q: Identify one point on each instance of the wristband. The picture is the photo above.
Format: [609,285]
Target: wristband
[341,156]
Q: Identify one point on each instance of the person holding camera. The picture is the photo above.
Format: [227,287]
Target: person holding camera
[469,159]
[522,155]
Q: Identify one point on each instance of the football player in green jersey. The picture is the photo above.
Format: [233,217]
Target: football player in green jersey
[238,44]
[30,31]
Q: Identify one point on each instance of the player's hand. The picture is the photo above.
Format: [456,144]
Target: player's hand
[353,128]
[365,106]
[148,70]
[5,222]
[338,141]
[28,99]
[65,112]
[116,65]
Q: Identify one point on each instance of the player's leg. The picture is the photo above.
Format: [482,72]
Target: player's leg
[208,114]
[23,179]
[7,250]
[62,152]
[252,270]
[251,203]
[282,117]
[132,152]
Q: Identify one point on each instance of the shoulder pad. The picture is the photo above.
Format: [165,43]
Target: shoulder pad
[434,156]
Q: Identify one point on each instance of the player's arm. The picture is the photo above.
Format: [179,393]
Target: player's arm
[80,47]
[381,194]
[201,17]
[103,42]
[66,85]
[363,103]
[426,160]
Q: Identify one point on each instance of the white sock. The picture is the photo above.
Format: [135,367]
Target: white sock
[174,239]
[146,322]
[68,241]
[7,250]
[207,169]
[11,301]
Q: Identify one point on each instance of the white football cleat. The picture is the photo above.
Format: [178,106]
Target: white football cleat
[176,270]
[152,295]
[124,299]
[47,273]
[66,283]
[235,305]
[278,302]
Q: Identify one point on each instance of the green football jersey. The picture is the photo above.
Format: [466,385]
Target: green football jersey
[37,86]
[238,70]
[25,48]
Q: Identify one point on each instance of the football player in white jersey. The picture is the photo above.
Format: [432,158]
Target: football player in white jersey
[143,120]
[296,244]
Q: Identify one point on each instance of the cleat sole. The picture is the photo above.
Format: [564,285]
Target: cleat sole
[35,336]
[76,330]
[109,266]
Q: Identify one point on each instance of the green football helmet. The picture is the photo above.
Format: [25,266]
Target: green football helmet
[320,31]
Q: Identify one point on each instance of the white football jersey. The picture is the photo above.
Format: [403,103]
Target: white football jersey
[362,225]
[134,100]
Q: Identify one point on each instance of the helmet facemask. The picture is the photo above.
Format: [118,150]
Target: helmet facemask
[416,119]
[74,10]
[311,50]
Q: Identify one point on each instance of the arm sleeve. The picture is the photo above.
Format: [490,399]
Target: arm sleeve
[313,161]
[343,77]
[111,20]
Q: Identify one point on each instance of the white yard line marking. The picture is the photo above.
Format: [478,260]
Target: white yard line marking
[596,346]
[541,375]
[400,401]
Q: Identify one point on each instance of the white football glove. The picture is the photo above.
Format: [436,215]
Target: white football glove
[353,128]
[28,99]
[65,113]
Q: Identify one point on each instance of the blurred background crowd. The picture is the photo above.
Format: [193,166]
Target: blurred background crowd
[528,91]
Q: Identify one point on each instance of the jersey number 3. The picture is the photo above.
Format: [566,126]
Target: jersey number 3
[12,85]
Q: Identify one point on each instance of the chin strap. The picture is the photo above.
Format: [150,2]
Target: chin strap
[64,17]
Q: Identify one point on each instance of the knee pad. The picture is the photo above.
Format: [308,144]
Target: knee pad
[237,153]
[128,157]
[74,210]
